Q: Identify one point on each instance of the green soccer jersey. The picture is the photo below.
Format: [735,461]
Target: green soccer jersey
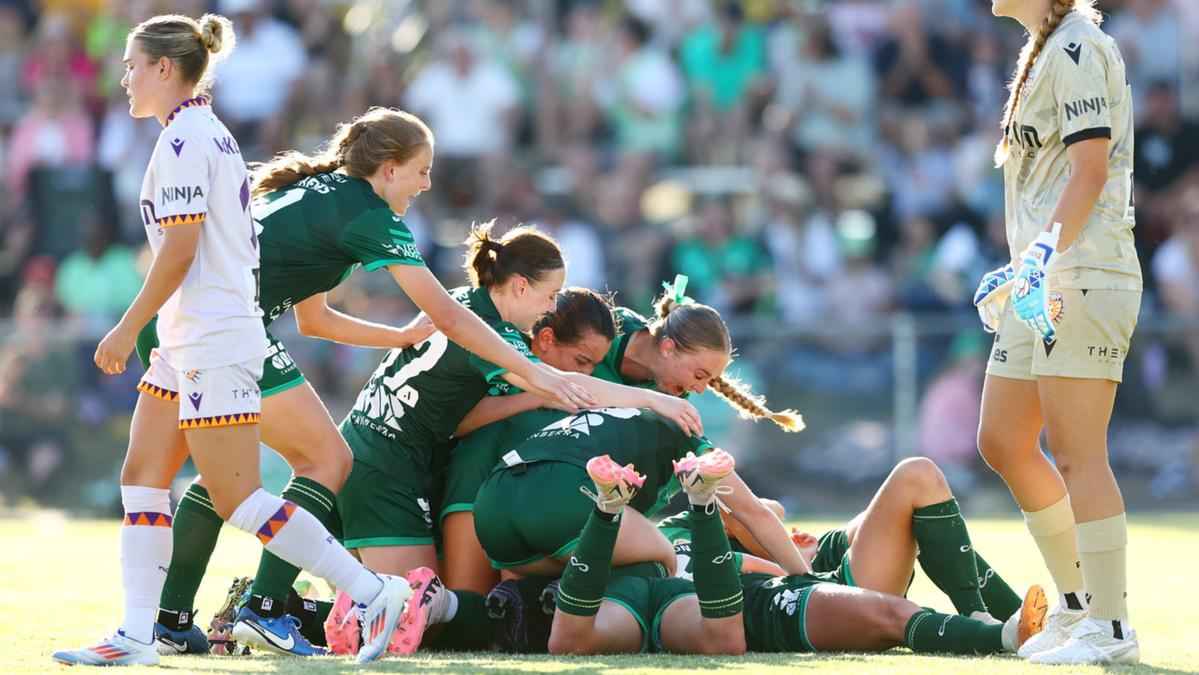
[418,395]
[317,231]
[609,369]
[629,435]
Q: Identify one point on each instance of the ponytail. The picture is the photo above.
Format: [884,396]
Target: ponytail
[524,250]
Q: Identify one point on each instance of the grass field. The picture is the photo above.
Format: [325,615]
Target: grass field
[60,587]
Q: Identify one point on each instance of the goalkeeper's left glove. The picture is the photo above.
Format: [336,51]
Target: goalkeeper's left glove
[1030,294]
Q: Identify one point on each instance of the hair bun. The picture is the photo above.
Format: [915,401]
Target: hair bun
[214,31]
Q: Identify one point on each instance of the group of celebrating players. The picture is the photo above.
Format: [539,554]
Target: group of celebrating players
[494,485]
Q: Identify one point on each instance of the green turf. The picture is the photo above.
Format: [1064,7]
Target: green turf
[60,587]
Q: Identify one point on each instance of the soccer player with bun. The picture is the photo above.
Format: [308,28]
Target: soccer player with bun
[321,218]
[201,390]
[1075,286]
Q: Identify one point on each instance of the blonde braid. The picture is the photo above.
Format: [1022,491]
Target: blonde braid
[751,407]
[1028,56]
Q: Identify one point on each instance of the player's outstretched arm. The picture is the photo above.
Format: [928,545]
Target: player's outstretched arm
[315,318]
[764,525]
[166,273]
[465,328]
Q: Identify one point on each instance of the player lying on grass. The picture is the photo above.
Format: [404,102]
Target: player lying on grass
[913,517]
[685,349]
[805,612]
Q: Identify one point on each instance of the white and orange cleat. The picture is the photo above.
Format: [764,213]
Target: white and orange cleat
[380,616]
[615,485]
[700,477]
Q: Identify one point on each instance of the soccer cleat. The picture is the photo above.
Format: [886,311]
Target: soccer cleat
[1032,614]
[280,634]
[1054,631]
[171,642]
[1092,642]
[380,616]
[343,626]
[428,593]
[615,485]
[220,629]
[700,476]
[517,608]
[118,650]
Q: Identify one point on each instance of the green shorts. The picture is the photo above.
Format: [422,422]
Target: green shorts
[647,600]
[776,610]
[832,557]
[385,507]
[531,511]
[471,461]
[279,371]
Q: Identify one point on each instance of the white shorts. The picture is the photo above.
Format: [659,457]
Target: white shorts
[207,397]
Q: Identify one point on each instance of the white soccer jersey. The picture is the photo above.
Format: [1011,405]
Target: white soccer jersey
[197,175]
[1077,90]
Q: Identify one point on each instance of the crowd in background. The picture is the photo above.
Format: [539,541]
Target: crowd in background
[816,168]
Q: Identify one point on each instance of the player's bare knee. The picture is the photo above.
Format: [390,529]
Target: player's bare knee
[888,619]
[921,476]
[724,640]
[564,642]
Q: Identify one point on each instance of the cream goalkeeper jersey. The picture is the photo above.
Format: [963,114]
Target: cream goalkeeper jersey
[197,175]
[1076,91]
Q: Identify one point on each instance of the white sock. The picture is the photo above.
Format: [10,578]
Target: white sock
[296,536]
[145,555]
[445,607]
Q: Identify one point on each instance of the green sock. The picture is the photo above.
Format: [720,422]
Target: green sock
[193,535]
[1001,600]
[581,590]
[946,555]
[469,631]
[929,631]
[717,579]
[268,595]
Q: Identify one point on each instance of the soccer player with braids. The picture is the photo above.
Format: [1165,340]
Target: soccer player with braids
[1075,289]
[201,394]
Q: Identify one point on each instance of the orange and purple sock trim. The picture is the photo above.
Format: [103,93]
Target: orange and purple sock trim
[276,522]
[157,391]
[151,518]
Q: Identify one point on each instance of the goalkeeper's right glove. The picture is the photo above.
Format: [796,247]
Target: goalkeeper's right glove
[992,296]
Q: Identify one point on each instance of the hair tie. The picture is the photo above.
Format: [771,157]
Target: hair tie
[678,289]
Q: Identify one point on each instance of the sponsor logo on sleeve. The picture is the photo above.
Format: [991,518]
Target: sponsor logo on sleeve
[180,193]
[1074,51]
[227,145]
[1093,105]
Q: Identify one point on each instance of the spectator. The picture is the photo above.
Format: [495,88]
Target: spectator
[918,171]
[98,282]
[473,107]
[727,270]
[579,241]
[56,131]
[917,68]
[725,64]
[56,56]
[567,109]
[949,411]
[1162,159]
[12,54]
[37,378]
[804,247]
[255,82]
[828,95]
[861,294]
[644,98]
[1176,269]
[1150,40]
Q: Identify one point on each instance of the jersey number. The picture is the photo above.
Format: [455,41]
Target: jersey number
[385,398]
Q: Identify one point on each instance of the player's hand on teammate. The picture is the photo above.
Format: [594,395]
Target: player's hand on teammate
[417,330]
[568,395]
[992,295]
[1030,292]
[113,351]
[680,411]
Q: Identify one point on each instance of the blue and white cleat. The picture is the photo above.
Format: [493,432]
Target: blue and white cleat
[380,616]
[278,634]
[118,650]
[172,642]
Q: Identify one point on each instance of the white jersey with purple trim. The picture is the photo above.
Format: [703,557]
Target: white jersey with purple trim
[1076,90]
[197,175]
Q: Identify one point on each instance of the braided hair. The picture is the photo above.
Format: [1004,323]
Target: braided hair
[695,326]
[361,145]
[1058,10]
